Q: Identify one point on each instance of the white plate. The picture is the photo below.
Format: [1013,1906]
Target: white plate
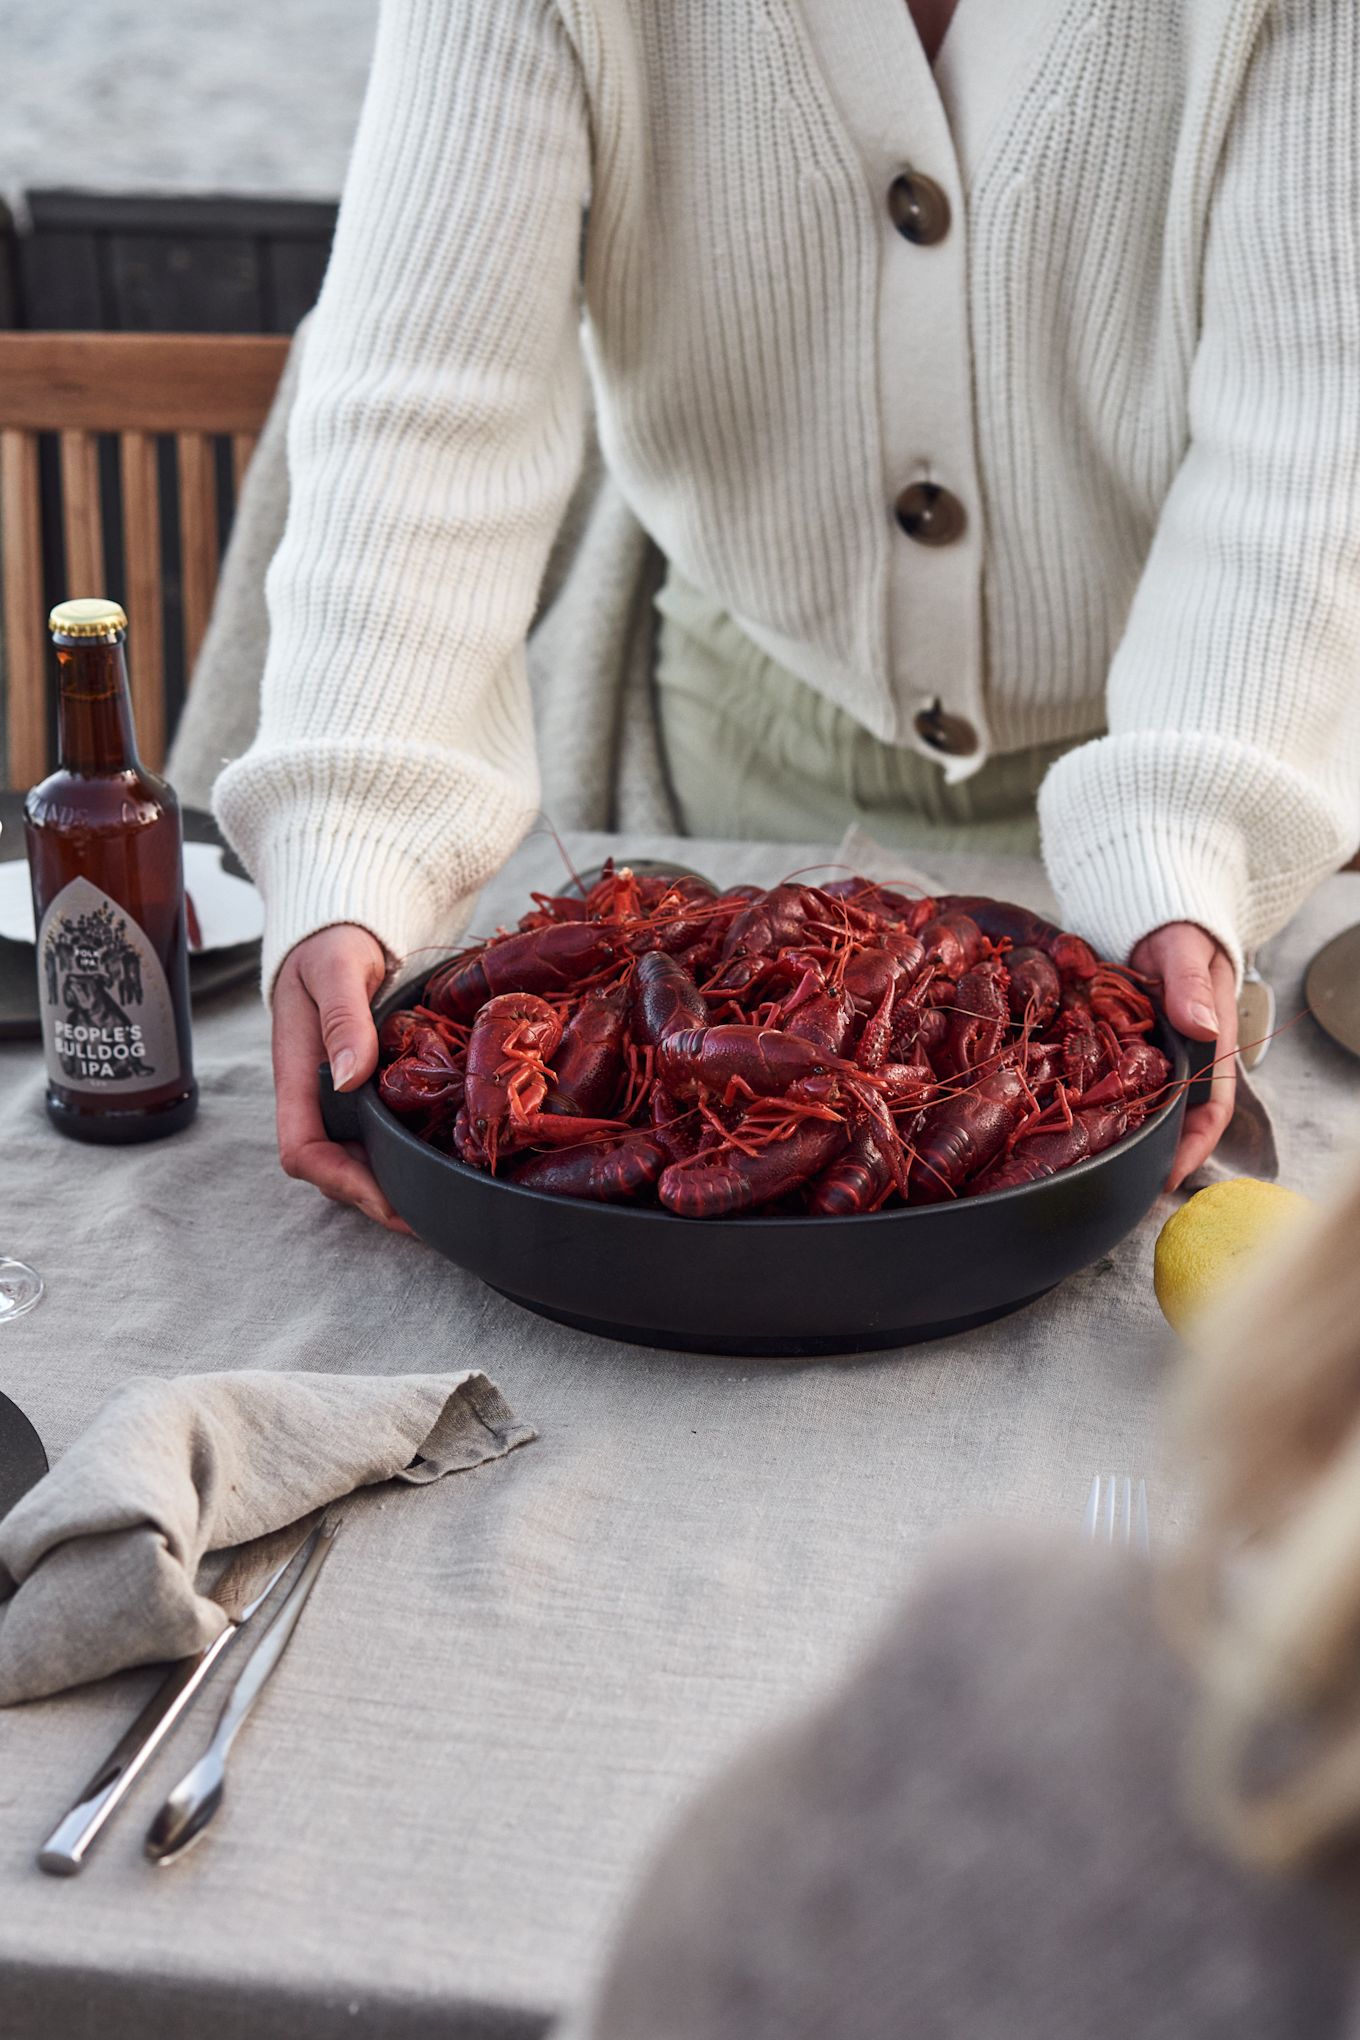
[229,910]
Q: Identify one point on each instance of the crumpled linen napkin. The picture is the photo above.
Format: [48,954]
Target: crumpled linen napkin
[98,1561]
[1248,1148]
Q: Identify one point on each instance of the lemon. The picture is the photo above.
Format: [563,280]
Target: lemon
[1215,1239]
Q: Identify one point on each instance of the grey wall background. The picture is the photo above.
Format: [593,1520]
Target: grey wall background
[255,96]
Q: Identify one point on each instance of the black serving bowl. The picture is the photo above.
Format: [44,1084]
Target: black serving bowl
[765,1286]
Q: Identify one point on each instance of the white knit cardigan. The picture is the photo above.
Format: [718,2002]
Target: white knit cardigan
[1134,358]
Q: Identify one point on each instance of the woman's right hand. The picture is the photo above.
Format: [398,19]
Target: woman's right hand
[321,1014]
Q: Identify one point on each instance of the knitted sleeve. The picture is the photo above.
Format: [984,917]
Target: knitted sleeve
[435,438]
[1229,783]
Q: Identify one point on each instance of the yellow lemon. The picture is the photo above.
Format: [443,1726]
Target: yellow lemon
[1214,1240]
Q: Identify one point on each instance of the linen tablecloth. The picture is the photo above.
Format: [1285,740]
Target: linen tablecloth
[506,1685]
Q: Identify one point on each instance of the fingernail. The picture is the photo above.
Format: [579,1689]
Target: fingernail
[343,1068]
[1202,1015]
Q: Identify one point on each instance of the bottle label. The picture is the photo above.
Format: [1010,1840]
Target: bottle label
[108,1021]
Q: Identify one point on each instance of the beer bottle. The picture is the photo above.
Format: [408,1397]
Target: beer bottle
[105,852]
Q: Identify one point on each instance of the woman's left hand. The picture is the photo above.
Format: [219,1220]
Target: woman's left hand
[1200,996]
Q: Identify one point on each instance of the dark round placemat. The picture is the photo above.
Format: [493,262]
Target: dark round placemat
[22,1459]
[1332,988]
[217,971]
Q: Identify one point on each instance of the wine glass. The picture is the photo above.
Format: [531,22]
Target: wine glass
[20,1287]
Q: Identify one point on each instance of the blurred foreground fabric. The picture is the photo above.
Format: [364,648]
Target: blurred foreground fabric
[979,1837]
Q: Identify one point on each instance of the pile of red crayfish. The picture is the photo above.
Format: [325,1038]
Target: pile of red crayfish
[808,1049]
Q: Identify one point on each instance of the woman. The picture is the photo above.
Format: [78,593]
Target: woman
[977,409]
[1026,1817]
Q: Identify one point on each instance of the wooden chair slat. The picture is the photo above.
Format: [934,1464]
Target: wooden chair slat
[242,447]
[161,382]
[82,516]
[25,640]
[136,387]
[142,579]
[197,537]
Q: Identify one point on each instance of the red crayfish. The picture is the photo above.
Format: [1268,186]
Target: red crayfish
[826,1050]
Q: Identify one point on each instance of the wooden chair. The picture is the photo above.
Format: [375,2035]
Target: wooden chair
[195,389]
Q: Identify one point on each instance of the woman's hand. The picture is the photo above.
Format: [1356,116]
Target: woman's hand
[321,1014]
[1200,996]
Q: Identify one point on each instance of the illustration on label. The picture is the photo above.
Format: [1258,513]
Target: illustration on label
[108,1023]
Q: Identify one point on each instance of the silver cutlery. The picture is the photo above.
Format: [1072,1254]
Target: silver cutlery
[244,1585]
[1117,1514]
[194,1801]
[1255,1016]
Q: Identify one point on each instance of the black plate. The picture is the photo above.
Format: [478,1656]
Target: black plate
[217,971]
[22,1459]
[765,1285]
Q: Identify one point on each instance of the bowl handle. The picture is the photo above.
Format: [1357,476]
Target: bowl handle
[339,1109]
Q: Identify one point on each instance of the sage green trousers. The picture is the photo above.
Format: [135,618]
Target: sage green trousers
[752,752]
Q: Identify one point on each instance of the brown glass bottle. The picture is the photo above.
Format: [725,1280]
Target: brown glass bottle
[105,851]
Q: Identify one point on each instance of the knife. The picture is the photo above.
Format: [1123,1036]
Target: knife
[244,1585]
[198,1795]
[1255,1015]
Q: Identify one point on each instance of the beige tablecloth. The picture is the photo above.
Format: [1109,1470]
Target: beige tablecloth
[506,1684]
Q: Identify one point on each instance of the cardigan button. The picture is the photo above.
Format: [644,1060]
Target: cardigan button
[918,208]
[952,735]
[929,514]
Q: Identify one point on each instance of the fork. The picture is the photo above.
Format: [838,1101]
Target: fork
[198,1795]
[1117,1513]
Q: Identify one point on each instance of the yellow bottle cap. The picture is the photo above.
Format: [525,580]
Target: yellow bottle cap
[91,616]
